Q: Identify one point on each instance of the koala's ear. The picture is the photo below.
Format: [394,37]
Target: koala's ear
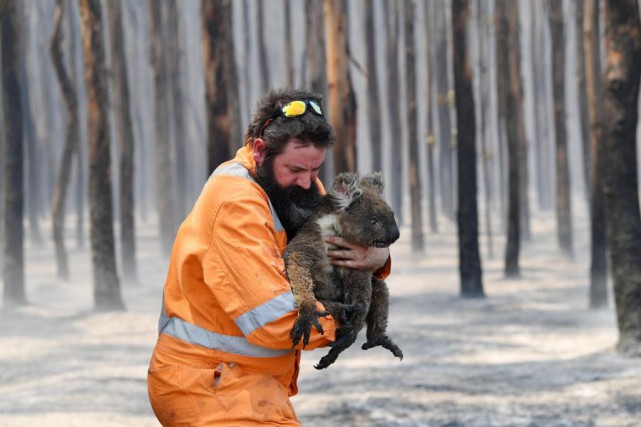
[373,181]
[345,189]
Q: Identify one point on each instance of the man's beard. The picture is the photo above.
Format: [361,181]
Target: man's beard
[294,205]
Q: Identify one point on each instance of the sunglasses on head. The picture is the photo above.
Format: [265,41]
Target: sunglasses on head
[293,109]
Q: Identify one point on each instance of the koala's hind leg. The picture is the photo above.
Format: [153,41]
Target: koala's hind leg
[344,338]
[377,320]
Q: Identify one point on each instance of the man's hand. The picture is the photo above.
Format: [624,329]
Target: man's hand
[354,256]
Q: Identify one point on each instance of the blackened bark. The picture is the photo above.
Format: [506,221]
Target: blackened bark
[106,283]
[218,120]
[467,212]
[391,19]
[373,100]
[620,181]
[70,148]
[429,102]
[584,120]
[164,196]
[125,138]
[563,200]
[598,264]
[263,63]
[412,132]
[13,267]
[289,56]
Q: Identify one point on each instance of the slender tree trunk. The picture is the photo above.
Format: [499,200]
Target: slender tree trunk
[444,96]
[265,80]
[289,55]
[106,283]
[412,132]
[467,213]
[125,137]
[391,19]
[373,100]
[13,267]
[217,101]
[70,148]
[429,102]
[584,119]
[563,200]
[164,196]
[620,181]
[342,100]
[598,266]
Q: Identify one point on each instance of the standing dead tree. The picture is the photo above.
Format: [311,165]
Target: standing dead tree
[467,212]
[620,181]
[342,99]
[428,12]
[598,265]
[125,137]
[13,261]
[373,99]
[70,147]
[106,283]
[563,200]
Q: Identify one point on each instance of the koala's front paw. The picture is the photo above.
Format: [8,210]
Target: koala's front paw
[303,325]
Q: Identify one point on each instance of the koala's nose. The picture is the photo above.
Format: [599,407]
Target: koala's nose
[394,233]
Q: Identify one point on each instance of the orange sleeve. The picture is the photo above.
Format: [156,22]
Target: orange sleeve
[254,290]
[385,270]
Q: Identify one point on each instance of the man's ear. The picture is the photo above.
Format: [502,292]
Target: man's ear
[260,151]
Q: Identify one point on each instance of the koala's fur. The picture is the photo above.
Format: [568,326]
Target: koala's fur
[355,210]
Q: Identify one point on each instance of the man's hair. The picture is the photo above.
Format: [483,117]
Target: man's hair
[310,127]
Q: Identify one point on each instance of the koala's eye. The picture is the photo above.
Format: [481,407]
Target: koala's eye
[373,221]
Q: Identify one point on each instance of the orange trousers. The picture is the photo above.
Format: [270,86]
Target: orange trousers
[203,393]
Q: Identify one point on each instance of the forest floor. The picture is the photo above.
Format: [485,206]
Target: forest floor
[529,354]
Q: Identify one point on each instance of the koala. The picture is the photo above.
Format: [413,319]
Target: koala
[355,210]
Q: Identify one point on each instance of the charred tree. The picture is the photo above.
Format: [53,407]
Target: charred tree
[70,147]
[620,181]
[412,132]
[13,261]
[429,102]
[373,99]
[563,200]
[467,214]
[342,99]
[263,63]
[289,55]
[125,138]
[218,120]
[106,283]
[164,196]
[391,19]
[598,264]
[584,119]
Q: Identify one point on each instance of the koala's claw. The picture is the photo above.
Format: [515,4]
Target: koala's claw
[385,342]
[303,327]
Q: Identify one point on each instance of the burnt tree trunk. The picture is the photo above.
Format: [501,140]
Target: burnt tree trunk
[342,99]
[620,181]
[164,197]
[391,20]
[467,214]
[70,147]
[106,283]
[373,99]
[125,138]
[584,119]
[511,93]
[263,63]
[289,54]
[563,200]
[13,261]
[598,264]
[429,102]
[412,132]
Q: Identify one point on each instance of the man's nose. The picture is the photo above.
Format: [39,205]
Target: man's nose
[304,181]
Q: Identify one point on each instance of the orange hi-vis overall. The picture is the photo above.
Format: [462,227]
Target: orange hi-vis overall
[224,355]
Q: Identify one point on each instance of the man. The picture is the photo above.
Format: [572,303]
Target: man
[224,354]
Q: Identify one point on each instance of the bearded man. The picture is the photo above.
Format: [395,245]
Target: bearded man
[224,355]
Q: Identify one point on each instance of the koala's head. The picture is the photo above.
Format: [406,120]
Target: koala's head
[364,217]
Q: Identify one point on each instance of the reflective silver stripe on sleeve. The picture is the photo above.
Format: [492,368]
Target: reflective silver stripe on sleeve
[237,169]
[266,312]
[193,334]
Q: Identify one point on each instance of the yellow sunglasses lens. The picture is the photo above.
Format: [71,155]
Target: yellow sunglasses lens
[294,109]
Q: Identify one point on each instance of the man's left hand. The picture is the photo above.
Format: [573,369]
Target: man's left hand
[354,256]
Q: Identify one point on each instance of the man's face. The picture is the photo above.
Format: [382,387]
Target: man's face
[289,181]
